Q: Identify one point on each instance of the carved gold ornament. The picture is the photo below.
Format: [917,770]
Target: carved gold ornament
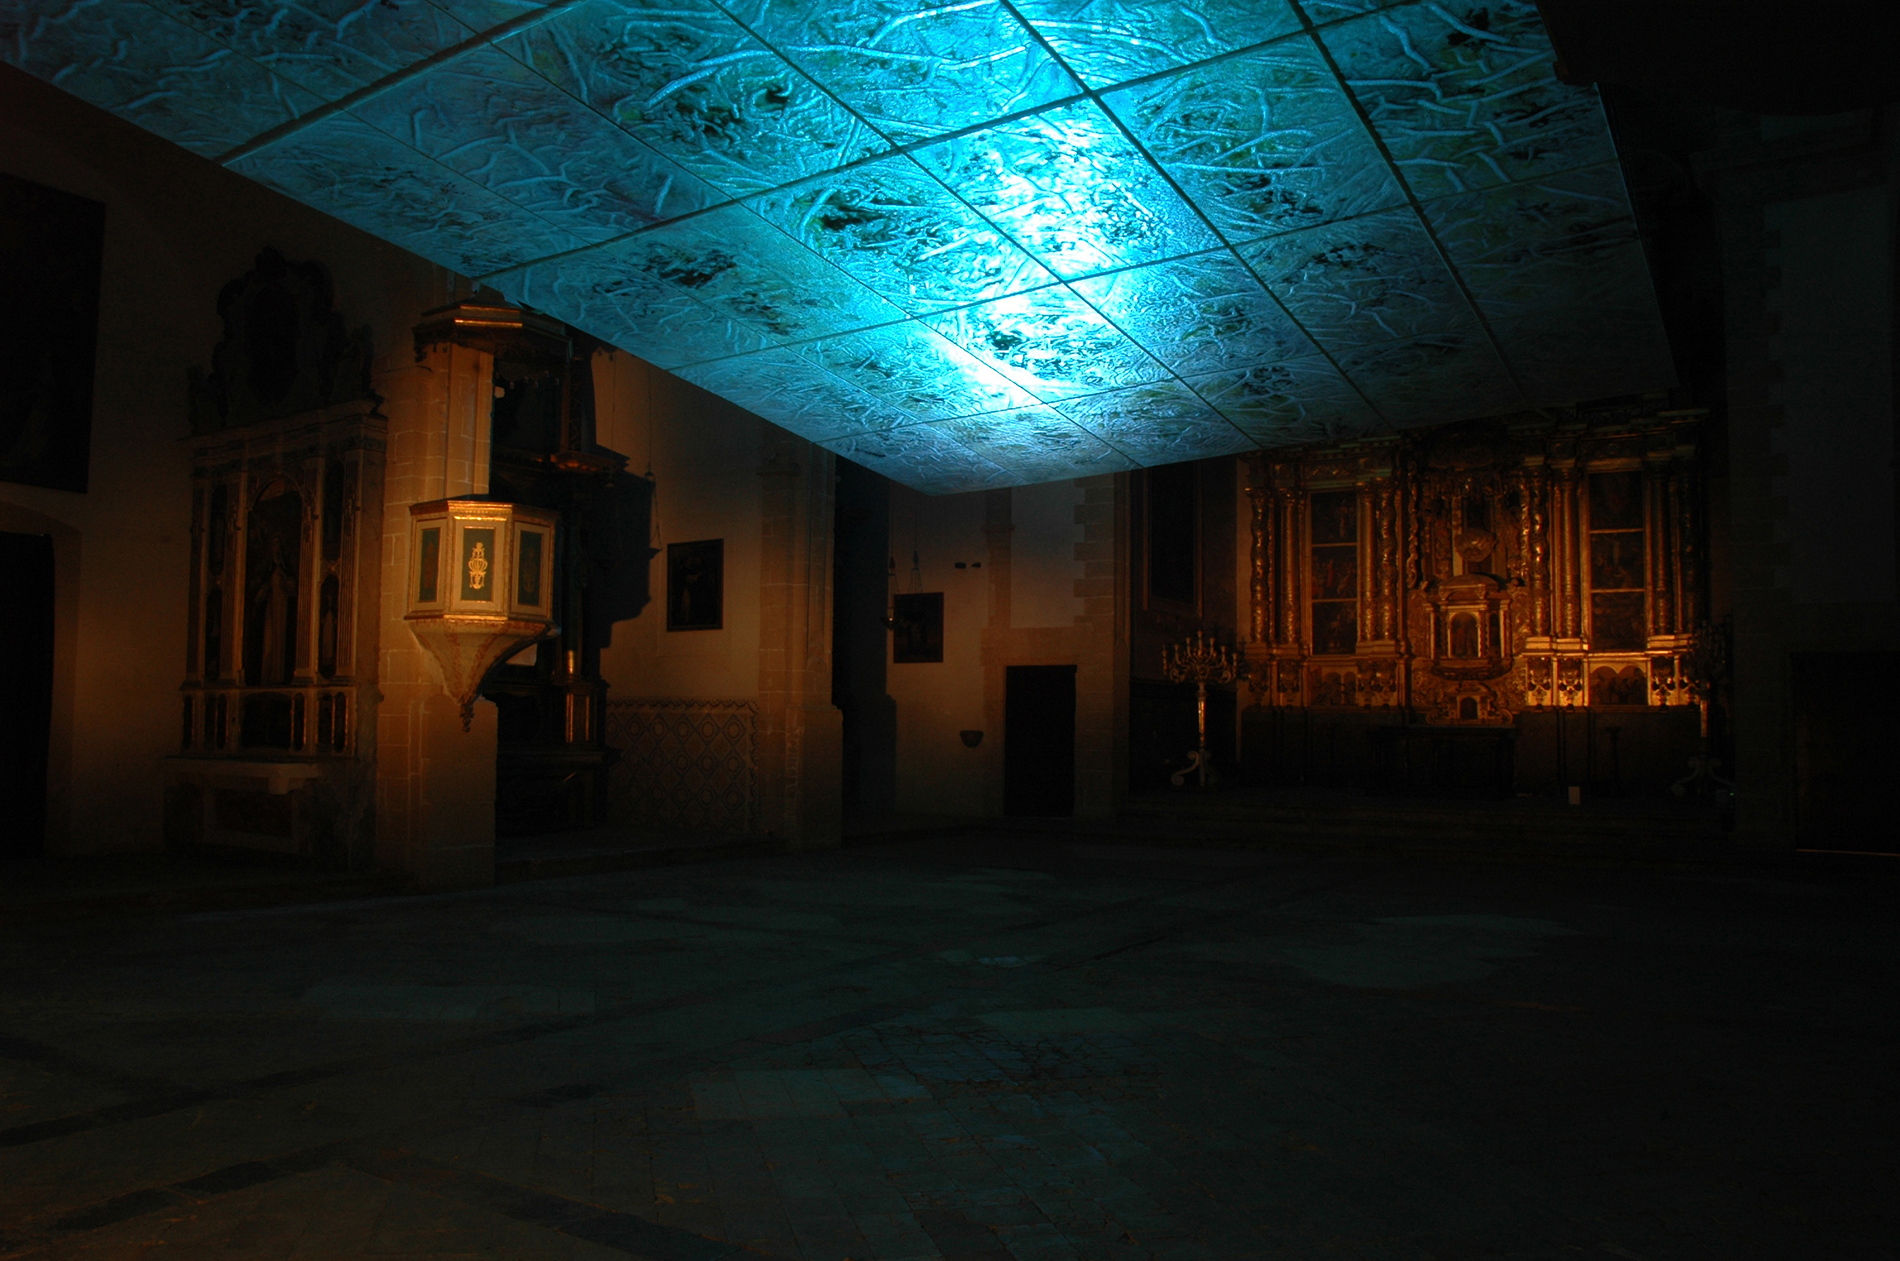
[477,567]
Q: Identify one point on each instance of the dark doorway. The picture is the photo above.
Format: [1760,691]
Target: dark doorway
[1039,740]
[26,691]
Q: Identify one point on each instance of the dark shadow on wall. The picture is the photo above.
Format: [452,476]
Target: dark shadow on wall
[617,540]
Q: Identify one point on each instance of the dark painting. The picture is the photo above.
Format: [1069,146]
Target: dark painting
[51,244]
[1616,561]
[1627,686]
[1336,517]
[696,585]
[1336,572]
[917,627]
[1616,501]
[1616,622]
[1335,628]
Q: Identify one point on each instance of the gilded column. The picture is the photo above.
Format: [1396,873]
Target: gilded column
[1537,548]
[1387,561]
[1659,520]
[1289,507]
[1261,573]
[1564,551]
[1365,506]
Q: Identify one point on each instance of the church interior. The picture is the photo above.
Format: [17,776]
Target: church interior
[627,621]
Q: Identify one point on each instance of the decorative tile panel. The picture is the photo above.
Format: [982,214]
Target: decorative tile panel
[689,764]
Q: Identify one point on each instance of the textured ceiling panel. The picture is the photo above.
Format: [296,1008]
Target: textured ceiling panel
[967,243]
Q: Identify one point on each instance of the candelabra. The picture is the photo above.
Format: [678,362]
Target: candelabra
[1201,661]
[1706,666]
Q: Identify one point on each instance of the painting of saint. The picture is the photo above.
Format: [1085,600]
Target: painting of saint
[1335,573]
[1335,628]
[917,627]
[1616,561]
[695,585]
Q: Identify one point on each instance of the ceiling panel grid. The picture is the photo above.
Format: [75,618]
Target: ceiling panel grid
[972,243]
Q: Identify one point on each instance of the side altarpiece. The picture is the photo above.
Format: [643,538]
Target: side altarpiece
[1480,578]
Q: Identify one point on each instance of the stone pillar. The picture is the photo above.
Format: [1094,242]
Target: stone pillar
[801,733]
[1101,649]
[435,782]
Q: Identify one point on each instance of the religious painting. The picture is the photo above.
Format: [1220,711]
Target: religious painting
[1610,686]
[1335,517]
[1616,560]
[1616,501]
[51,246]
[917,627]
[696,585]
[1616,621]
[1335,628]
[1336,572]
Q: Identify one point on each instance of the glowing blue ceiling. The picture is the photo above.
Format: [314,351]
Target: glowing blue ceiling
[968,244]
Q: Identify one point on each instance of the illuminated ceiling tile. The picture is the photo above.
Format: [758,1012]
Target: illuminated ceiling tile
[511,131]
[1557,268]
[1288,403]
[914,70]
[1040,260]
[1197,314]
[615,301]
[1112,41]
[330,47]
[1408,381]
[687,80]
[1471,101]
[1159,423]
[1265,142]
[741,266]
[1363,280]
[814,403]
[924,458]
[349,169]
[1068,185]
[1037,444]
[1525,248]
[913,368]
[907,237]
[1050,342]
[151,70]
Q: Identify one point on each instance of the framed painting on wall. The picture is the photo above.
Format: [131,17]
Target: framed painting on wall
[917,627]
[696,585]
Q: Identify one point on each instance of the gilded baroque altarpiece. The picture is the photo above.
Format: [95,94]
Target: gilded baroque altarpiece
[1472,572]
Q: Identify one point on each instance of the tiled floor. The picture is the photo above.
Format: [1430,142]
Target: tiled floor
[977,1047]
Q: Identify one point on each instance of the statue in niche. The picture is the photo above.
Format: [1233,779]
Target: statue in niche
[270,589]
[1464,636]
[285,349]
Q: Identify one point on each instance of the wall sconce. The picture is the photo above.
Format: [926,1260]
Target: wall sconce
[481,586]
